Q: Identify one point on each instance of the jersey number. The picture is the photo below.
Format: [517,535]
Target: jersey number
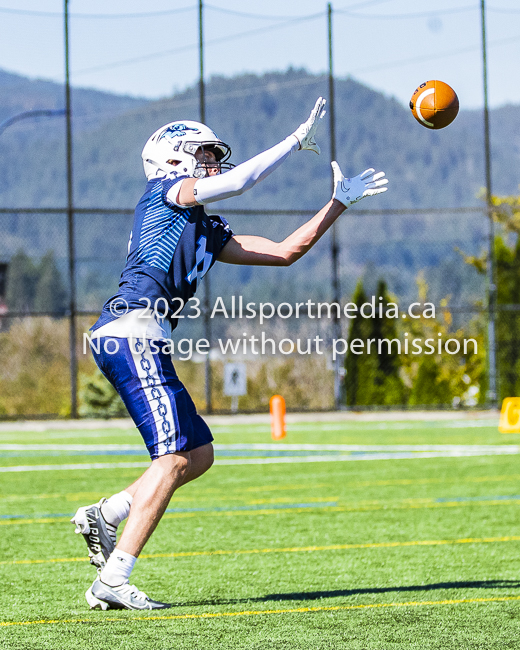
[202,261]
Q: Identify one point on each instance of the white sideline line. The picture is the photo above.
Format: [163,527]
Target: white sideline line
[368,456]
[45,468]
[67,447]
[296,426]
[270,447]
[404,455]
[418,417]
[514,449]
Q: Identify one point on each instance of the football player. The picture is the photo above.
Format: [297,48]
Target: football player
[172,246]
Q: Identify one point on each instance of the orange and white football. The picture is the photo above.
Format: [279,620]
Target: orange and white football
[434,104]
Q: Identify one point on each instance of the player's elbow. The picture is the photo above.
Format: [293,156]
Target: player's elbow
[239,183]
[286,255]
[238,188]
[289,258]
[243,185]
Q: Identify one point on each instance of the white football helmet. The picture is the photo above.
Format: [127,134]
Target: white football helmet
[172,148]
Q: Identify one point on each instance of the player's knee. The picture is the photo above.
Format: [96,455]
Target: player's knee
[174,465]
[183,464]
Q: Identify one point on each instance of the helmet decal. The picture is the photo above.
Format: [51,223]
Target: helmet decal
[176,130]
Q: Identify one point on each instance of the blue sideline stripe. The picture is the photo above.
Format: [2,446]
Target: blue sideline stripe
[218,509]
[279,506]
[278,453]
[498,498]
[98,452]
[234,453]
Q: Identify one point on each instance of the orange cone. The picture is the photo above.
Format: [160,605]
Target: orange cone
[277,408]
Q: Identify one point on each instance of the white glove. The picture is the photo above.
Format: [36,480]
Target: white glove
[305,132]
[351,190]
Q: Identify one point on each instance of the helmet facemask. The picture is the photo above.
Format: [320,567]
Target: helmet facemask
[210,158]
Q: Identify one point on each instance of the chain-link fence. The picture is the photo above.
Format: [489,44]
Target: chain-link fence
[58,266]
[281,323]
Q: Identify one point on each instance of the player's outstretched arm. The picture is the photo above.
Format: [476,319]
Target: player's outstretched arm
[246,175]
[259,251]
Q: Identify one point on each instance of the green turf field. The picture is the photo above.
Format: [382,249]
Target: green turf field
[271,550]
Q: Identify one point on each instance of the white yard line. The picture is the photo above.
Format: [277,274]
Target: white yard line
[83,466]
[280,446]
[369,455]
[264,418]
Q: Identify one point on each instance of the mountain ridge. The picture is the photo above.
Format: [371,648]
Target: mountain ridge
[426,169]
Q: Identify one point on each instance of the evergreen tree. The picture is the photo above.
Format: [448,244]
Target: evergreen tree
[21,283]
[50,294]
[429,387]
[388,386]
[506,211]
[360,368]
[374,378]
[508,322]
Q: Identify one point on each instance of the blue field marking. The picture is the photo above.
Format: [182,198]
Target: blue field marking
[220,453]
[80,468]
[39,516]
[268,450]
[250,454]
[512,497]
[274,506]
[291,506]
[94,452]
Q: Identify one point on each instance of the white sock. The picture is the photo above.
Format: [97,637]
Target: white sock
[117,508]
[118,568]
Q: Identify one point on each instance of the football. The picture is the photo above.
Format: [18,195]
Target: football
[434,104]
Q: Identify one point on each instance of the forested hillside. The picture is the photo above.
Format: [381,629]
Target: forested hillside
[428,168]
[91,107]
[251,113]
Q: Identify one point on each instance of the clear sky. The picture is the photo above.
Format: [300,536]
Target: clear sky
[150,49]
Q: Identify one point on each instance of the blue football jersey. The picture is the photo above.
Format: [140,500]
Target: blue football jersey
[170,250]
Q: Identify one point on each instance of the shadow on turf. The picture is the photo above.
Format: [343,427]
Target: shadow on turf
[317,595]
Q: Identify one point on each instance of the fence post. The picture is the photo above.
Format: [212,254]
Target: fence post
[70,227]
[491,271]
[207,283]
[334,245]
